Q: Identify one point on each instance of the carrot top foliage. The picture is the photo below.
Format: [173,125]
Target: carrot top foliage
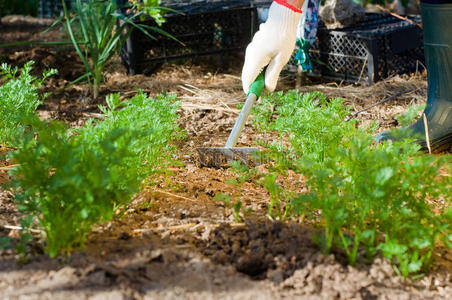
[372,199]
[19,99]
[68,180]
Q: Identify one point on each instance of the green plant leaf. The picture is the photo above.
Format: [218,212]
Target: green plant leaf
[225,198]
[5,242]
[383,175]
[414,266]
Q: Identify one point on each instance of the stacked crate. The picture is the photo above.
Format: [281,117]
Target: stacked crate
[371,50]
[198,27]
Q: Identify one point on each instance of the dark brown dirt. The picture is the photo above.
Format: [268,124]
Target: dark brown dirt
[175,241]
[262,249]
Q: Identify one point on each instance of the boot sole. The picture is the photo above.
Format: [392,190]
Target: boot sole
[442,144]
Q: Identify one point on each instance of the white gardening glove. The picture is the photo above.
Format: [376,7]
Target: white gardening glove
[272,45]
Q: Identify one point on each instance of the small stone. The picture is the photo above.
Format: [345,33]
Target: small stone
[275,275]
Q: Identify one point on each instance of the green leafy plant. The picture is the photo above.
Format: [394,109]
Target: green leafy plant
[151,121]
[244,174]
[97,31]
[280,207]
[405,119]
[367,198]
[312,124]
[67,181]
[378,195]
[19,100]
[236,206]
[4,242]
[410,115]
[150,8]
[68,186]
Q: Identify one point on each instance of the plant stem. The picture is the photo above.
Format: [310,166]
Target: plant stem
[97,77]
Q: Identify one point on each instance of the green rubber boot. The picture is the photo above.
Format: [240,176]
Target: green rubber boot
[437,26]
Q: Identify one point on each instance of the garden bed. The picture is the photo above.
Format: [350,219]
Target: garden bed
[174,240]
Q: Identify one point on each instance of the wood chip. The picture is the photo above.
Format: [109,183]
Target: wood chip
[173,195]
[7,168]
[170,228]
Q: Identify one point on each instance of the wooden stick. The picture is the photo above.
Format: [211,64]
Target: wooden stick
[176,227]
[399,16]
[232,76]
[378,103]
[174,195]
[7,168]
[427,136]
[12,227]
[362,69]
[93,115]
[192,86]
[188,105]
[186,89]
[187,226]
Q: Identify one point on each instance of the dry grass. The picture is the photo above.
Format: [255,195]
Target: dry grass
[363,96]
[201,90]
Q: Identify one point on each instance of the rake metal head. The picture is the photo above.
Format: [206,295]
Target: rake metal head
[220,157]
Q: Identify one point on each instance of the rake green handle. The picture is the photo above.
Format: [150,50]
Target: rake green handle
[258,85]
[256,89]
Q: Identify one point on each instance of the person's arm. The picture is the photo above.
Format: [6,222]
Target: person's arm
[273,44]
[296,3]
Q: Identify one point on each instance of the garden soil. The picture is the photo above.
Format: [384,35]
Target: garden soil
[175,241]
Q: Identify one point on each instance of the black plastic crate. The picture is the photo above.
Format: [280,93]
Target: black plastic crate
[52,8]
[204,28]
[371,50]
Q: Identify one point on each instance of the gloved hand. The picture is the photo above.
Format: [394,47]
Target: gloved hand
[272,45]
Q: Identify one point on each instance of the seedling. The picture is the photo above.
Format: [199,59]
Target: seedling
[410,115]
[277,196]
[243,175]
[19,100]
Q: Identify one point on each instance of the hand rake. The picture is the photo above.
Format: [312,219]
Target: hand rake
[220,157]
